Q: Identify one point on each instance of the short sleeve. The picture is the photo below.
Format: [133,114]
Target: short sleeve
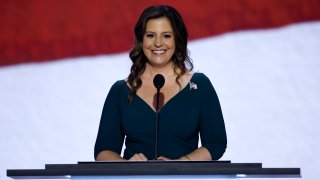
[212,128]
[110,137]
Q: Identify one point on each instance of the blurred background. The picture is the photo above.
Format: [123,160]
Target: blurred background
[58,59]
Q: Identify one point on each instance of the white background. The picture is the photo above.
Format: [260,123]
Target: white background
[268,82]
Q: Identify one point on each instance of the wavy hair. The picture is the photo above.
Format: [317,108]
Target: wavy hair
[181,60]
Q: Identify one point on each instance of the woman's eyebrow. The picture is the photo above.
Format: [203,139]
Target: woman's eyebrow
[161,32]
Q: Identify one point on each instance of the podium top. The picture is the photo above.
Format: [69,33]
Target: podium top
[154,168]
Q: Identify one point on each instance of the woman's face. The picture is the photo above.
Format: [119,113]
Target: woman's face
[158,42]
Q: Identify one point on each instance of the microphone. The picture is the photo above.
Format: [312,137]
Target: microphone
[158,82]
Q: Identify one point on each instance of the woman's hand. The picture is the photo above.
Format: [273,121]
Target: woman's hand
[164,158]
[138,157]
[183,158]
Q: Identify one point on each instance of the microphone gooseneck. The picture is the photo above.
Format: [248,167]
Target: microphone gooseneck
[158,82]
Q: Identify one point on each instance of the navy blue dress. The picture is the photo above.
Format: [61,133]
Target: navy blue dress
[194,111]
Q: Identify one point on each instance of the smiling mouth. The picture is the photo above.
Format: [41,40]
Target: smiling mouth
[158,52]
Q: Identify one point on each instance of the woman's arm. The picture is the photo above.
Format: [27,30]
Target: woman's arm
[110,137]
[212,129]
[107,155]
[200,154]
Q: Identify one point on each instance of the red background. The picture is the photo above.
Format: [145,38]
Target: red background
[41,30]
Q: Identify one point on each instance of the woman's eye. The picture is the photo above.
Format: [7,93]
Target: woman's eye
[149,35]
[167,36]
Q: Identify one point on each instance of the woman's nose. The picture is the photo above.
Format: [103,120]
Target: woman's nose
[158,42]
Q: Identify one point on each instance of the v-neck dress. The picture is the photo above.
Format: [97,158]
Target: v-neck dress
[194,111]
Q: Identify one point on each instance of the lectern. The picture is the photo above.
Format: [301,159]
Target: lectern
[154,170]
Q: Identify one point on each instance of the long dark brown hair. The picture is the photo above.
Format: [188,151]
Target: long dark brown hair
[181,60]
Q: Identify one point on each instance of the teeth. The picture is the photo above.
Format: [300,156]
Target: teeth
[158,52]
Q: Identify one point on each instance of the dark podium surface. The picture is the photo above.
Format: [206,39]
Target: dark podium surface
[154,170]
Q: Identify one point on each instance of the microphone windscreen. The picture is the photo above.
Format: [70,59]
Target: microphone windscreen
[158,81]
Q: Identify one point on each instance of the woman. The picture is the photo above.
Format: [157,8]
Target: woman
[189,105]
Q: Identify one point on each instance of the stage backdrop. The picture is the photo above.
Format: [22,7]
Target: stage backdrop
[59,58]
[37,30]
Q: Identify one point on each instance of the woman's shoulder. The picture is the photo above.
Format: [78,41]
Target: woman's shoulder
[199,77]
[118,90]
[119,85]
[201,80]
